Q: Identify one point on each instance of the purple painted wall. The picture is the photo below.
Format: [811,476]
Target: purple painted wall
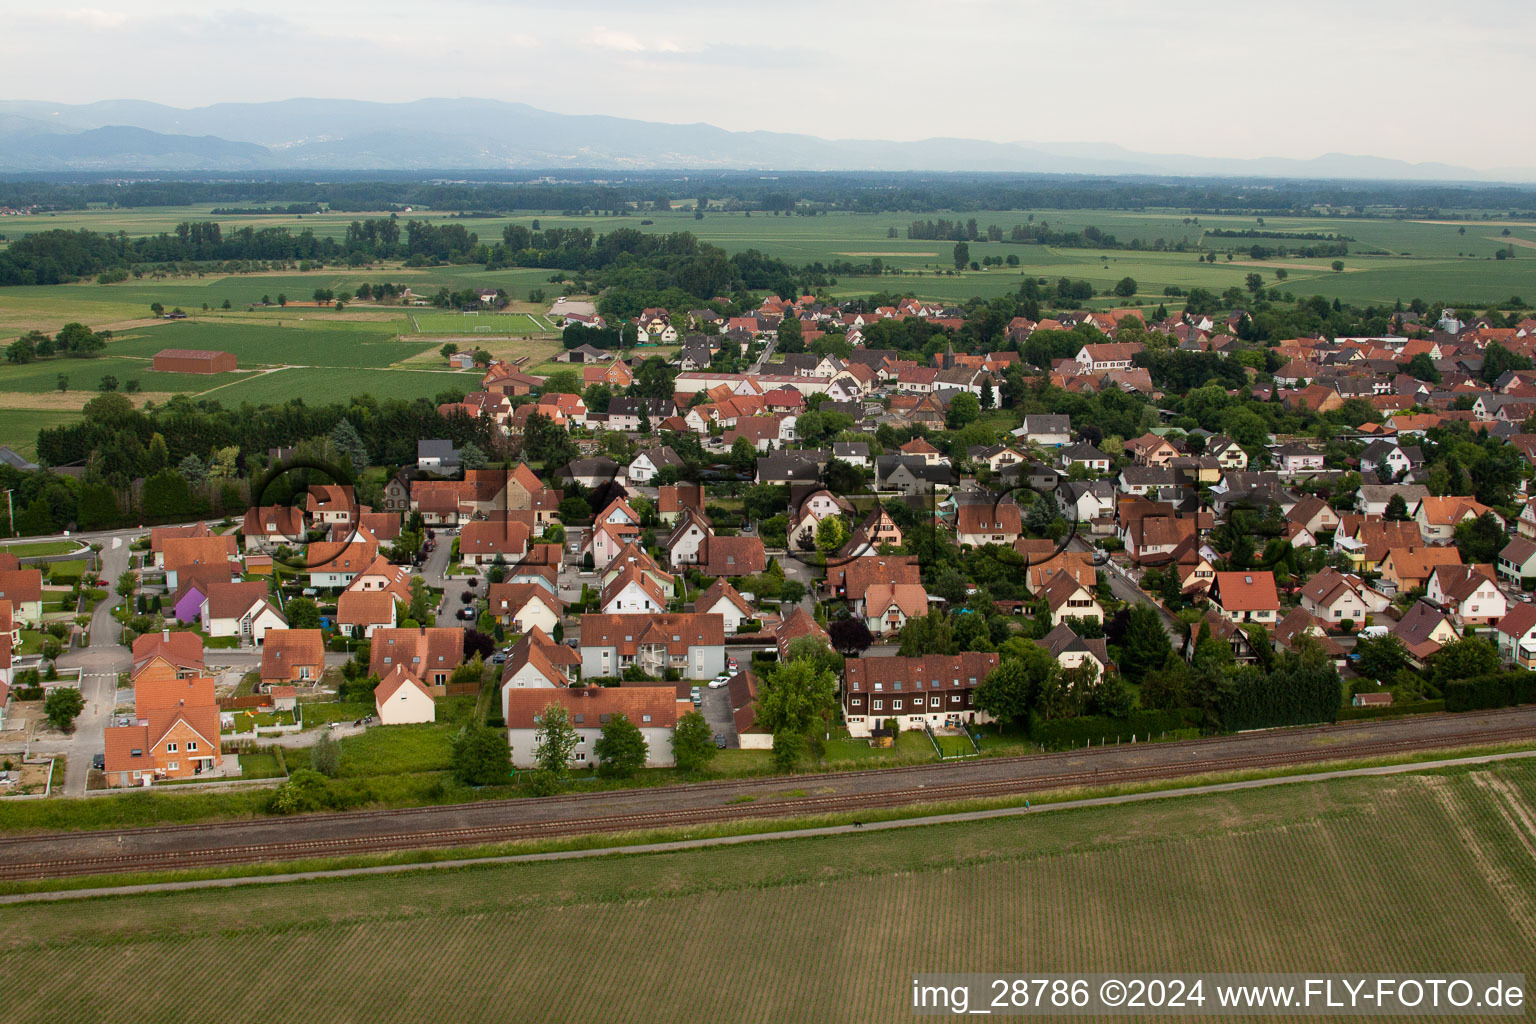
[189,608]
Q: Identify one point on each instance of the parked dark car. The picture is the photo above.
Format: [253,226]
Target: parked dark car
[99,762]
[720,741]
[466,613]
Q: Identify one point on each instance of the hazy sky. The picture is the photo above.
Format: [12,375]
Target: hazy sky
[1407,79]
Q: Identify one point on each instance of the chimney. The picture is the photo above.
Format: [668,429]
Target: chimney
[165,634]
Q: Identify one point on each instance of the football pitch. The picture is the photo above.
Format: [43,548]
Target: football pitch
[476,323]
[1424,872]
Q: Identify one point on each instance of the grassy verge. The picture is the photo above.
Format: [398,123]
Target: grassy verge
[743,827]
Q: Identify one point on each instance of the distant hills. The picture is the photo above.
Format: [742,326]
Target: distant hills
[478,134]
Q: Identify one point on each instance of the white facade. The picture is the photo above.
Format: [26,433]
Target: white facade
[658,744]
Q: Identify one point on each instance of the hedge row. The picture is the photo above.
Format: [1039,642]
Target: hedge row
[1096,729]
[1499,690]
[1417,707]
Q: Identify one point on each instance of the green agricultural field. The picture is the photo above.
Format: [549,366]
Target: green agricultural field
[1417,873]
[41,377]
[315,388]
[1454,257]
[257,342]
[19,427]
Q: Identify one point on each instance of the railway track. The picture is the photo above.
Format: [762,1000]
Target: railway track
[943,792]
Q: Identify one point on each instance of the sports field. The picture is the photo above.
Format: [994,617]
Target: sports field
[1428,872]
[480,323]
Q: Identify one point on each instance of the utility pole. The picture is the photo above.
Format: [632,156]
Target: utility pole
[10,512]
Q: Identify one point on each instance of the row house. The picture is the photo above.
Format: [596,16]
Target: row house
[691,644]
[934,691]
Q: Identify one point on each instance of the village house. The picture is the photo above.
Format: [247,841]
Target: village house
[691,644]
[1468,593]
[174,733]
[1407,568]
[1072,651]
[1438,517]
[537,662]
[360,613]
[1335,597]
[1068,598]
[430,653]
[270,527]
[1046,430]
[888,606]
[989,521]
[1424,629]
[523,607]
[240,610]
[292,656]
[933,691]
[402,699]
[1246,597]
[724,600]
[1516,635]
[651,709]
[1517,561]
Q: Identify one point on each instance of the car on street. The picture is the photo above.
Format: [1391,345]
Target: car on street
[466,613]
[697,696]
[99,762]
[719,741]
[732,664]
[499,658]
[719,680]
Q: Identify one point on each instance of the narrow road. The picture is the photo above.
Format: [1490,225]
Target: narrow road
[1126,590]
[99,664]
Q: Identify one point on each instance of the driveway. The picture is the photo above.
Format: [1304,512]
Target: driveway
[717,712]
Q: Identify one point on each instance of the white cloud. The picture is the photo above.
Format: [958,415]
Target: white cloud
[611,39]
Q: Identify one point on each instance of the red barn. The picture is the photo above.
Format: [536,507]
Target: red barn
[194,360]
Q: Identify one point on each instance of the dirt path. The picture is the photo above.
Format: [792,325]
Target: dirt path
[1524,243]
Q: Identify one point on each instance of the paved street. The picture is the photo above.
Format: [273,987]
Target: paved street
[100,665]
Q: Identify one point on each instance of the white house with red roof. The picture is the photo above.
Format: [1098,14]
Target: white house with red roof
[402,699]
[1246,596]
[651,709]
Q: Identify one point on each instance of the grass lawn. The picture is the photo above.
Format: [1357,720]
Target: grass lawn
[396,749]
[31,642]
[248,723]
[954,746]
[260,765]
[221,643]
[321,713]
[1403,875]
[42,548]
[910,748]
[68,570]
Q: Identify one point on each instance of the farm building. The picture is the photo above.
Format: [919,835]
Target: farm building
[194,360]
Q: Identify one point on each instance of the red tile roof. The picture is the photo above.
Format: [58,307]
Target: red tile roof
[1247,591]
[646,707]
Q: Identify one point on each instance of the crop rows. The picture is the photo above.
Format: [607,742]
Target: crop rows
[1408,873]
